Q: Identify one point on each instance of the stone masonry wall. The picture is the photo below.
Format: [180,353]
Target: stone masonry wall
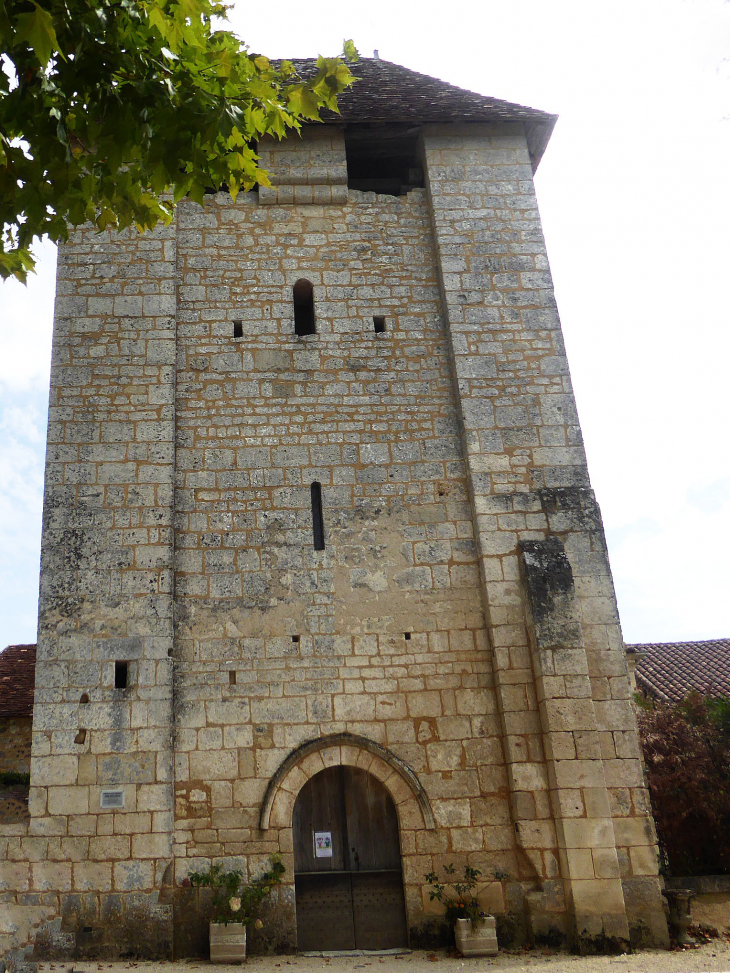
[382,633]
[577,791]
[309,168]
[106,597]
[460,622]
[15,740]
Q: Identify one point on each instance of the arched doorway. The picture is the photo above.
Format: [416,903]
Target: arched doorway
[347,863]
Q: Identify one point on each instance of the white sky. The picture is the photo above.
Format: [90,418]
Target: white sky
[634,193]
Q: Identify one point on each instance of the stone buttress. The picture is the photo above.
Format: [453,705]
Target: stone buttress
[580,807]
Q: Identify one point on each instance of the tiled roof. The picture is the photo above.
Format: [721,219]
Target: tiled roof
[388,92]
[670,670]
[17,680]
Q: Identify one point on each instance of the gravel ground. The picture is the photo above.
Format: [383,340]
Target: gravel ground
[712,957]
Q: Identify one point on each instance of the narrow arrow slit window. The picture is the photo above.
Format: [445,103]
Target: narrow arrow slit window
[317,522]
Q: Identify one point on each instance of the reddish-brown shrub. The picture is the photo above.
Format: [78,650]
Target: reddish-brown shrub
[687,753]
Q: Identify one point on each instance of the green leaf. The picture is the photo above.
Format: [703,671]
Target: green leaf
[159,21]
[303,101]
[5,25]
[149,105]
[36,29]
[16,263]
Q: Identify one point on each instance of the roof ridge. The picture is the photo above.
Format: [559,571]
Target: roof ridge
[682,642]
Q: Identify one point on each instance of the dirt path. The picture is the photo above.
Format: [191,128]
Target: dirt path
[713,957]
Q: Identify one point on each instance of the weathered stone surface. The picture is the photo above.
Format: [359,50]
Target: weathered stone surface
[15,742]
[455,609]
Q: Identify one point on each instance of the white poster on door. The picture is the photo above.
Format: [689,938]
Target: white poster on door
[322,844]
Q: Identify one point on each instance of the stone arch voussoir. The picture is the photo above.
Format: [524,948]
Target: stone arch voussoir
[350,750]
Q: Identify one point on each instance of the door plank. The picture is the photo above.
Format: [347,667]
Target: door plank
[372,823]
[379,911]
[319,808]
[362,907]
[324,912]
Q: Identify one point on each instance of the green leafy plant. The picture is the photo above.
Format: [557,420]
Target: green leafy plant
[461,898]
[113,110]
[9,778]
[233,900]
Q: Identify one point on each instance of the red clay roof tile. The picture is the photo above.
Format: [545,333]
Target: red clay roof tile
[17,680]
[670,670]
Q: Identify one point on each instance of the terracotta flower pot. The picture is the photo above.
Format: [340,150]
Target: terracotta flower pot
[477,937]
[227,942]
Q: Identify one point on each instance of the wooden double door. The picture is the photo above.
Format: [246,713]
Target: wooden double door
[347,864]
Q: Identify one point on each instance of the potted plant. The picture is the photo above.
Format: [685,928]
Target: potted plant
[475,931]
[234,907]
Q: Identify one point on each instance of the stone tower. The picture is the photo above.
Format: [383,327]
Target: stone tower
[321,558]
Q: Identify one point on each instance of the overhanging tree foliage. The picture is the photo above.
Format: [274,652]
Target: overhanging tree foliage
[112,110]
[687,754]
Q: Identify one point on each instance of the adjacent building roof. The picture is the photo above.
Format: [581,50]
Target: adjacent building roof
[388,92]
[670,670]
[17,680]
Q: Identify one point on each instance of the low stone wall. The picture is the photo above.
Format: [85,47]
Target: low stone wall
[14,805]
[700,884]
[15,740]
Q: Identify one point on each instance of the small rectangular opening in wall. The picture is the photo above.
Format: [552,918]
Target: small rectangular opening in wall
[238,329]
[112,798]
[383,158]
[407,636]
[317,520]
[232,677]
[295,638]
[304,317]
[121,675]
[379,325]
